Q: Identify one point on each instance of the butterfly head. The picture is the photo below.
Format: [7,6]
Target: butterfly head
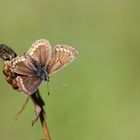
[40,70]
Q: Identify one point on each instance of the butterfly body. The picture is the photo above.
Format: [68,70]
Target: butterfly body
[38,69]
[39,63]
[43,74]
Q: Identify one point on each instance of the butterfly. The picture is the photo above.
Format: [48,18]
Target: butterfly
[39,63]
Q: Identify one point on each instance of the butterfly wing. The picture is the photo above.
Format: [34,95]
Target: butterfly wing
[23,65]
[62,56]
[40,51]
[28,85]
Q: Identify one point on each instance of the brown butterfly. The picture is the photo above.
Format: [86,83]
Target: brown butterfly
[38,63]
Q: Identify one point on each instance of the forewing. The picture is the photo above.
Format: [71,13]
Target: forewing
[62,56]
[22,65]
[40,51]
[28,85]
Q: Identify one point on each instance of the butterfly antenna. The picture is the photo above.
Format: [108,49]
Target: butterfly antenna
[48,88]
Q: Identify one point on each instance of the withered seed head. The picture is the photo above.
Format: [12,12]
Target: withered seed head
[10,76]
[6,53]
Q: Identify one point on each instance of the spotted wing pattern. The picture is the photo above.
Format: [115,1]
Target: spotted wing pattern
[62,56]
[23,66]
[28,85]
[40,51]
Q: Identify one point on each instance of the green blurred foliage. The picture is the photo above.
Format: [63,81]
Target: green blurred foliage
[102,99]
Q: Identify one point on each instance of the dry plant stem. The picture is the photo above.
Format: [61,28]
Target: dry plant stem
[40,113]
[22,108]
[45,127]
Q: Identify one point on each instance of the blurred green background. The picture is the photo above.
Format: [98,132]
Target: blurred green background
[102,99]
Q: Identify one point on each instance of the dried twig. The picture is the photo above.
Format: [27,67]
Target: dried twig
[22,108]
[40,113]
